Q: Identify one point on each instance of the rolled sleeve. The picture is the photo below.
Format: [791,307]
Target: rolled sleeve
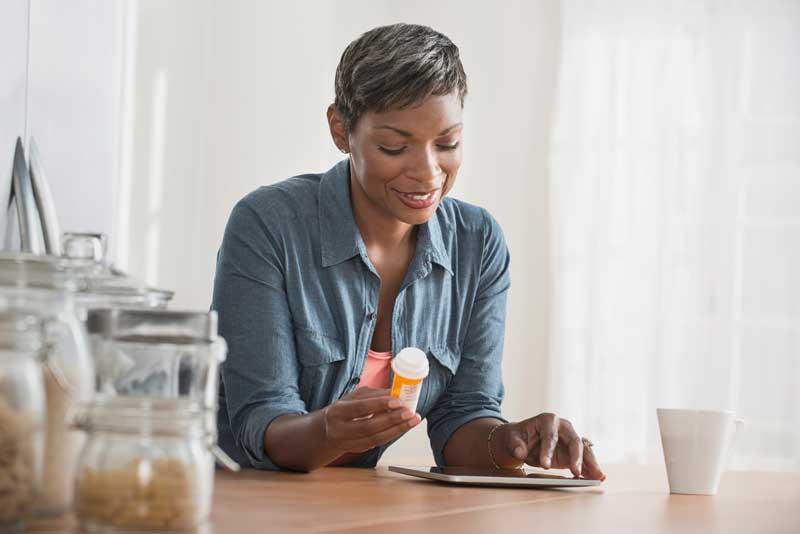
[260,374]
[476,391]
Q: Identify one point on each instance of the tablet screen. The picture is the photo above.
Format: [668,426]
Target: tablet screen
[496,473]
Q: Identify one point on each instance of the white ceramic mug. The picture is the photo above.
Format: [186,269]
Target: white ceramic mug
[696,444]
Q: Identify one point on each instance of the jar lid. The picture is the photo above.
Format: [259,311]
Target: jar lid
[22,270]
[104,284]
[154,325]
[20,331]
[84,272]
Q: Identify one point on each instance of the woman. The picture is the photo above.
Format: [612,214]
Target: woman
[322,278]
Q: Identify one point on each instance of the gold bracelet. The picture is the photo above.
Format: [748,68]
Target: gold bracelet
[489,444]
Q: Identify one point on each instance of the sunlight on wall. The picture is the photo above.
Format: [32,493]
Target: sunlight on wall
[156,175]
[121,237]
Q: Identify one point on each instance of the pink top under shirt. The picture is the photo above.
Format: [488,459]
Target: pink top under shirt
[376,370]
[375,375]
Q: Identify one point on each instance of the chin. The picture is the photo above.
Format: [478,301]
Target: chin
[417,216]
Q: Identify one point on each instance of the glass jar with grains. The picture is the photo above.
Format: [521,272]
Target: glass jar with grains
[147,464]
[22,407]
[44,287]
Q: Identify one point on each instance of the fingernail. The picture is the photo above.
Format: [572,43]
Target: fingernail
[408,415]
[519,452]
[395,403]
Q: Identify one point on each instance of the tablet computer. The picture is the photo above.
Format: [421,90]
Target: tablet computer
[471,476]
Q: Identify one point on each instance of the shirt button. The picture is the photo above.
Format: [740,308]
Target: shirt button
[371,316]
[355,381]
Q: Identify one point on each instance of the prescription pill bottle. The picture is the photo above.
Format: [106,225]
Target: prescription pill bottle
[410,368]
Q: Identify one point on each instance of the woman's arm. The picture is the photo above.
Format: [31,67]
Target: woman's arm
[260,374]
[462,421]
[297,442]
[469,446]
[365,419]
[459,423]
[545,441]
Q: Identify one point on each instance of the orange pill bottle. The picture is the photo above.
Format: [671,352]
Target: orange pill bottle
[410,368]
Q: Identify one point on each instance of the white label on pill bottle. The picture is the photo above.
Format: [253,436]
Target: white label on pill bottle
[409,395]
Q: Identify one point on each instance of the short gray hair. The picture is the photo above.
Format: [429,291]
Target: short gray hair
[396,66]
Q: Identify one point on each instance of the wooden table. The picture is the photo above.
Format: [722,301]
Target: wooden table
[633,499]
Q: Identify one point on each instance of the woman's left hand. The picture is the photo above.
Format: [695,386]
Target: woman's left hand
[550,442]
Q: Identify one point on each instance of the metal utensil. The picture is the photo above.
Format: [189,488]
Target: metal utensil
[44,201]
[23,199]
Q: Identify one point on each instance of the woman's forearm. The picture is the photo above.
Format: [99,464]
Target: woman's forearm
[468,446]
[297,442]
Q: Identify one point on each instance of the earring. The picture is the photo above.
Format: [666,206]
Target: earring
[344,151]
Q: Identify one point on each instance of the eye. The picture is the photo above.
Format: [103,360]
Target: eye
[449,147]
[392,151]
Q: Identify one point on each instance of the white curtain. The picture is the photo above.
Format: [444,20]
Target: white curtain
[676,222]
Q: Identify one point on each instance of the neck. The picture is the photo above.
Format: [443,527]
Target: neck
[377,227]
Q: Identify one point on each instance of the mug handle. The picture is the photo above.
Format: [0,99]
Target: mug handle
[738,426]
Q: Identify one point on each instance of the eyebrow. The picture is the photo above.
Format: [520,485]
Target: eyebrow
[409,134]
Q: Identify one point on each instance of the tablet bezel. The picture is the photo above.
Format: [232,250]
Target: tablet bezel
[540,480]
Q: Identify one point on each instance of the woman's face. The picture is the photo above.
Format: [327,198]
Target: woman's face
[405,161]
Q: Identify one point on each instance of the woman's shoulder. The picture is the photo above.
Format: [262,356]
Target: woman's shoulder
[288,199]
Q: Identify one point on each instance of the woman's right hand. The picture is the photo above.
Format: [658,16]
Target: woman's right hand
[365,419]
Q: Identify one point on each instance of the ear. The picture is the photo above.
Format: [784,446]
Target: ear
[338,131]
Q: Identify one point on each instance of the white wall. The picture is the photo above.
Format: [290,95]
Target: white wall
[60,84]
[13,83]
[229,96]
[73,106]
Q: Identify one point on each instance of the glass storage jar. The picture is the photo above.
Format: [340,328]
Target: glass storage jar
[43,287]
[22,412]
[158,353]
[147,465]
[103,285]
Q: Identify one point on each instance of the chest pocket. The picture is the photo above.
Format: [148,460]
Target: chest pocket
[443,363]
[322,360]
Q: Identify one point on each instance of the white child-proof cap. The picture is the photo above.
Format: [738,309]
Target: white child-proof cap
[411,363]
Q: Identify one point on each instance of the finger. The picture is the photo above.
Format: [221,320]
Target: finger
[359,428]
[560,459]
[572,440]
[548,434]
[350,409]
[518,447]
[383,437]
[534,452]
[591,468]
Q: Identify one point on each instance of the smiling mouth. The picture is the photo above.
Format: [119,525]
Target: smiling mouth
[418,199]
[418,196]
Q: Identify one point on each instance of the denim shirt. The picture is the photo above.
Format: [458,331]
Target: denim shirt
[297,297]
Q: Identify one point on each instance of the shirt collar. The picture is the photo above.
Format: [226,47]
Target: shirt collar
[339,236]
[340,239]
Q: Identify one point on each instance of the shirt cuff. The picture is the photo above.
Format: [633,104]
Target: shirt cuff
[251,440]
[442,433]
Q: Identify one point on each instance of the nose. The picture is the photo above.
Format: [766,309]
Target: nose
[425,168]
